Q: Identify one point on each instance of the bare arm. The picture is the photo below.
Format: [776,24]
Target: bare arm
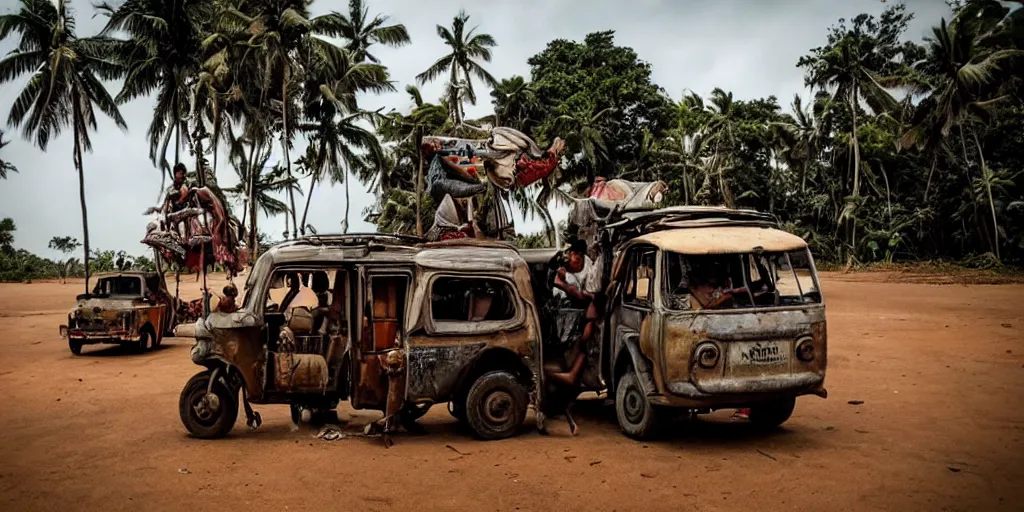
[460,170]
[569,289]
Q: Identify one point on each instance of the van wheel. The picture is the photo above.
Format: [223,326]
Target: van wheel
[769,415]
[636,415]
[75,346]
[457,407]
[496,405]
[144,341]
[207,416]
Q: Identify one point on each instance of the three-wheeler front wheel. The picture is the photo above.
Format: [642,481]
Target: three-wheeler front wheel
[207,415]
[496,405]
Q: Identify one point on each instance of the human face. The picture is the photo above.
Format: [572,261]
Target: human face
[576,261]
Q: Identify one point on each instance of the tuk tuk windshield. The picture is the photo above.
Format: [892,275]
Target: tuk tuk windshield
[744,280]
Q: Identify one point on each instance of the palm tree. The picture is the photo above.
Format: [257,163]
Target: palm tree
[846,69]
[408,132]
[161,54]
[958,74]
[362,35]
[801,136]
[680,155]
[335,143]
[7,229]
[65,86]
[720,132]
[5,166]
[514,103]
[332,117]
[260,186]
[586,136]
[461,64]
[280,32]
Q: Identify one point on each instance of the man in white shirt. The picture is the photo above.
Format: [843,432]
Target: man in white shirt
[579,284]
[580,279]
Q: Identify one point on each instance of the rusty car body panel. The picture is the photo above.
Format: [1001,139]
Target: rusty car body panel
[387,342]
[123,308]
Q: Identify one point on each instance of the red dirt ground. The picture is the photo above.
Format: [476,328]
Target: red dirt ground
[940,370]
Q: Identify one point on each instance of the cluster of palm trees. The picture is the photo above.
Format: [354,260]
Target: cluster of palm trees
[241,78]
[893,141]
[888,158]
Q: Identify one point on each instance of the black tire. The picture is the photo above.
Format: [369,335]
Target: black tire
[457,407]
[323,416]
[206,424]
[413,412]
[75,346]
[144,342]
[496,405]
[637,417]
[769,415]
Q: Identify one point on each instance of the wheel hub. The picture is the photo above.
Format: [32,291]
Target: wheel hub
[634,406]
[206,406]
[498,407]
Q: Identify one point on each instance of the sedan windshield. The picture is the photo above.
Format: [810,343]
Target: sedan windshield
[729,281]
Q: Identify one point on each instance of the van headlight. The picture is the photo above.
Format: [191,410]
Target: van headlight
[708,355]
[805,349]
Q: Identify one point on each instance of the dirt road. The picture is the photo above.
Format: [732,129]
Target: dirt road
[940,371]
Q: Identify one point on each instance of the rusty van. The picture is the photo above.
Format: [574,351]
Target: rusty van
[707,308]
[127,308]
[385,322]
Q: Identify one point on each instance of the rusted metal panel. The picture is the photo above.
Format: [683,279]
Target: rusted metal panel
[237,339]
[755,351]
[723,240]
[434,371]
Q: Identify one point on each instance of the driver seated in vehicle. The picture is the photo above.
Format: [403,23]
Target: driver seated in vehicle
[712,288]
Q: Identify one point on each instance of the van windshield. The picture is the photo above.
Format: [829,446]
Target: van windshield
[744,280]
[120,286]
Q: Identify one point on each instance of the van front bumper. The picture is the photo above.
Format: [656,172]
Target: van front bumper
[724,391]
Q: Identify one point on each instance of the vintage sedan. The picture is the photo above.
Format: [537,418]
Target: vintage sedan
[123,308]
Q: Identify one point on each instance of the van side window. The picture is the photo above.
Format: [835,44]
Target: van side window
[457,299]
[640,279]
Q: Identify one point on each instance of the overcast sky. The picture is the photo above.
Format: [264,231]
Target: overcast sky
[749,47]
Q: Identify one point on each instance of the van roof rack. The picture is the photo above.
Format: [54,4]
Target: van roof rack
[358,239]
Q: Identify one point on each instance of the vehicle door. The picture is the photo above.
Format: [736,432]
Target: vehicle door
[633,323]
[384,296]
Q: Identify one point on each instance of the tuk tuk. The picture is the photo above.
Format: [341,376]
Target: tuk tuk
[388,323]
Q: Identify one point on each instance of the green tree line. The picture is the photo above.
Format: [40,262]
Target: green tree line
[897,149]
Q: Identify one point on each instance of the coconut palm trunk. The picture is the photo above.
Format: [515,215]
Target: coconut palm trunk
[85,212]
[988,192]
[348,198]
[419,188]
[284,147]
[253,176]
[305,211]
[856,174]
